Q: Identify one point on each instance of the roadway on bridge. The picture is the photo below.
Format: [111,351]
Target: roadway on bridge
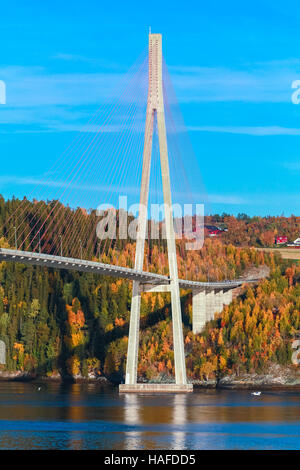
[60,262]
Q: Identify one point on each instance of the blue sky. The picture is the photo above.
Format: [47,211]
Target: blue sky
[232,65]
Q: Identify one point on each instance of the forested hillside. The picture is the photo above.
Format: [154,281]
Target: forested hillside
[76,324]
[253,332]
[256,231]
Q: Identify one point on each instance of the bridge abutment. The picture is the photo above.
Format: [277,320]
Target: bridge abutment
[219,301]
[206,303]
[210,305]
[227,297]
[199,310]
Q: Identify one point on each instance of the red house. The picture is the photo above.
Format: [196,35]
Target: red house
[281,240]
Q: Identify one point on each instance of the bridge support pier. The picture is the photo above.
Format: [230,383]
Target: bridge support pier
[227,296]
[133,337]
[206,303]
[210,305]
[219,301]
[155,108]
[199,310]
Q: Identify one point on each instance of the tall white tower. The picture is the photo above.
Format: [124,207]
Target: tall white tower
[155,109]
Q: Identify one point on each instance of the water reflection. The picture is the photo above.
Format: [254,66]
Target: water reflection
[131,418]
[73,412]
[179,421]
[91,416]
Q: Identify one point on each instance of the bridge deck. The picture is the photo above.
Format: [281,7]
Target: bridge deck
[60,262]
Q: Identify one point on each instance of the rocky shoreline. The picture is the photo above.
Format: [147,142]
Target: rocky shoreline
[276,377]
[19,376]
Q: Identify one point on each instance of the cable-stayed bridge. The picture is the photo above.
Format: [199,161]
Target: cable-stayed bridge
[208,298]
[37,245]
[75,264]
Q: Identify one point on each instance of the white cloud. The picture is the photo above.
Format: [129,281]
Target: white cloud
[35,86]
[267,82]
[92,61]
[63,102]
[254,130]
[32,181]
[129,190]
[55,101]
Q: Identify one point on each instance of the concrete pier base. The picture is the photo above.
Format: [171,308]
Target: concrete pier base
[228,297]
[155,388]
[219,301]
[199,310]
[205,303]
[210,305]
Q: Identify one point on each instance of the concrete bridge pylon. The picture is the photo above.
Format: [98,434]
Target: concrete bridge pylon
[155,109]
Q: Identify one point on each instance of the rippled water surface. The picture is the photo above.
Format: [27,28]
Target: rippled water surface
[91,416]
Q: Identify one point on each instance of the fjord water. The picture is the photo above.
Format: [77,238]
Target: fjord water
[93,416]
